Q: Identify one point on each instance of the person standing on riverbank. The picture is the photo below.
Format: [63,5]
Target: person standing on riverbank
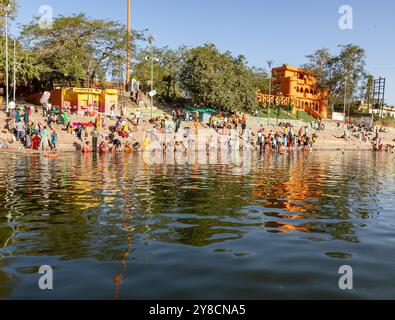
[112,112]
[66,123]
[178,124]
[20,130]
[26,114]
[17,115]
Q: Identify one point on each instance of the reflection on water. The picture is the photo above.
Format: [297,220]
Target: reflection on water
[197,225]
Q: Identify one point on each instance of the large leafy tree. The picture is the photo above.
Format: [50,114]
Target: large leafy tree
[218,79]
[261,79]
[344,75]
[28,66]
[78,49]
[167,65]
[9,5]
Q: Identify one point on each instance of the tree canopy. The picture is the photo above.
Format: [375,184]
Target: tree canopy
[218,80]
[342,74]
[11,11]
[78,49]
[167,64]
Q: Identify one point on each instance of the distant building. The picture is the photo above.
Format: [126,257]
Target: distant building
[387,111]
[298,88]
[81,100]
[302,84]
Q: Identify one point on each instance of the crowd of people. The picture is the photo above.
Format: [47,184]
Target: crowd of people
[182,130]
[43,135]
[366,134]
[223,132]
[287,137]
[34,136]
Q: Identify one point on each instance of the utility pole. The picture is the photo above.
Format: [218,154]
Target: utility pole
[128,50]
[280,94]
[14,91]
[270,63]
[345,97]
[7,8]
[151,40]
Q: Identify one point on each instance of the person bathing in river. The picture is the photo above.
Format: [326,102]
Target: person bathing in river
[54,139]
[117,145]
[127,148]
[86,148]
[95,138]
[44,139]
[35,141]
[103,147]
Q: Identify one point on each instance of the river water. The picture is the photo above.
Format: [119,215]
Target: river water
[198,226]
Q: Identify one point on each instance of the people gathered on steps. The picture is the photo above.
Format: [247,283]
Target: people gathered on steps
[112,133]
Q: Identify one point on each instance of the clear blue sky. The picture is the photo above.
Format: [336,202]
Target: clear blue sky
[282,30]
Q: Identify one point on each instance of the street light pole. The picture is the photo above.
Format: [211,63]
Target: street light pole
[14,91]
[128,54]
[345,97]
[152,79]
[270,63]
[151,40]
[279,107]
[6,56]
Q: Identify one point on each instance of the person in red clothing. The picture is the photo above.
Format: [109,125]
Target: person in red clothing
[86,148]
[35,141]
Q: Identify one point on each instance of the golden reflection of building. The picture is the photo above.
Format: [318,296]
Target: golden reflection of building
[84,185]
[300,190]
[303,182]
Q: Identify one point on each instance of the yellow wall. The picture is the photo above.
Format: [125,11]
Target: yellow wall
[81,98]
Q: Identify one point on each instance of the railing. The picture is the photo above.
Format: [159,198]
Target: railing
[312,113]
[266,99]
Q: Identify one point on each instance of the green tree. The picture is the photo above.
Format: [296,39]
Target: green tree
[166,71]
[28,67]
[319,62]
[78,49]
[335,72]
[218,80]
[261,79]
[368,88]
[11,4]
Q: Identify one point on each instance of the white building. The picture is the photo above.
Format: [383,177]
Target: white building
[388,111]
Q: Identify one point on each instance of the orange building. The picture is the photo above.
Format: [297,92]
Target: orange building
[297,87]
[79,99]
